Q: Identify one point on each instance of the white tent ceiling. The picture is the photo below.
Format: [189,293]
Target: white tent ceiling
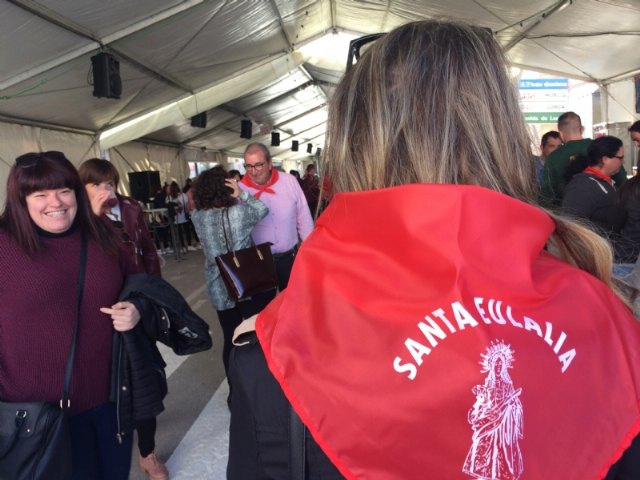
[239,59]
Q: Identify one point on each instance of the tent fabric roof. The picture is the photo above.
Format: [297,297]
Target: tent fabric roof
[238,59]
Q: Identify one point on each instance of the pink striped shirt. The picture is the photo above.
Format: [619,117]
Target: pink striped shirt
[288,220]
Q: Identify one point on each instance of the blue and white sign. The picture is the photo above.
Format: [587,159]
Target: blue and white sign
[542,100]
[545,84]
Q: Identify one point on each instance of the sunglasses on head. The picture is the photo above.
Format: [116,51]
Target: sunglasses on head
[29,160]
[356,45]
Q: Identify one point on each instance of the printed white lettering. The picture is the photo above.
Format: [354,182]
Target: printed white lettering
[463,317]
[405,367]
[494,315]
[566,358]
[560,341]
[530,324]
[547,334]
[417,350]
[478,301]
[439,313]
[511,319]
[434,331]
[430,331]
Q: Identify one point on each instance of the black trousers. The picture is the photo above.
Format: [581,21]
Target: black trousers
[229,319]
[284,264]
[146,436]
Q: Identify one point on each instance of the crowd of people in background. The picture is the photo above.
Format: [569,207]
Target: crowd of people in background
[586,179]
[377,271]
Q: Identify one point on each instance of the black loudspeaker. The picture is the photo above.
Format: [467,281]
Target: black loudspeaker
[309,147]
[245,129]
[294,145]
[106,76]
[200,120]
[144,184]
[275,139]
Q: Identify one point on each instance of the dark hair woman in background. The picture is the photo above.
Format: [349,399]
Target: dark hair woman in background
[46,215]
[100,178]
[589,192]
[216,198]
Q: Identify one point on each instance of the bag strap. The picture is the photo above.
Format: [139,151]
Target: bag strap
[64,402]
[21,415]
[224,229]
[297,434]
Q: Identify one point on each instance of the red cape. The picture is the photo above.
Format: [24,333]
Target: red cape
[425,333]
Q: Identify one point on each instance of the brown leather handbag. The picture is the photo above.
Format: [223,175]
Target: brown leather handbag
[247,271]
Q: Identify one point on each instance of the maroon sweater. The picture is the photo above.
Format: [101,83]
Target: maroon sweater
[37,312]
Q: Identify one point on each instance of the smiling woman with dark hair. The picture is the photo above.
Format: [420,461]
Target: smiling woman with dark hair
[46,217]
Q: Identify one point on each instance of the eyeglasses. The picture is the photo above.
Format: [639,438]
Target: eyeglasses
[619,157]
[356,45]
[29,160]
[256,166]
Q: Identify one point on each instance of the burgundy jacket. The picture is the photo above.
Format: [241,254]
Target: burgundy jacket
[141,247]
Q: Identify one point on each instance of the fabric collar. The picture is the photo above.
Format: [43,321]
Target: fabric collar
[265,187]
[66,233]
[393,303]
[115,213]
[598,173]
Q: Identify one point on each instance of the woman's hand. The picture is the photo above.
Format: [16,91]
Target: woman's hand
[125,315]
[99,201]
[233,185]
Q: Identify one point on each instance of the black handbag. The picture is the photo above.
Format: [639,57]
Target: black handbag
[35,442]
[247,271]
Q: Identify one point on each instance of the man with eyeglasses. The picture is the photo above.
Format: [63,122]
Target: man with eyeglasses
[289,219]
[634,133]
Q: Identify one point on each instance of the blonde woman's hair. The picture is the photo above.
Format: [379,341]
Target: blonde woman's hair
[432,102]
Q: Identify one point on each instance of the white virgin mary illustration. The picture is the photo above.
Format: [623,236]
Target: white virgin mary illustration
[496,420]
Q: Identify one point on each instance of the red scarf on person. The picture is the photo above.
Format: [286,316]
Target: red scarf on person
[264,188]
[425,333]
[598,173]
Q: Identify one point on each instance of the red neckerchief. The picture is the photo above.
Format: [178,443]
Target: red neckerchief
[597,173]
[264,188]
[397,299]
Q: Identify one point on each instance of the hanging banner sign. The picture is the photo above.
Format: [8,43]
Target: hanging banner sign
[545,83]
[542,117]
[542,100]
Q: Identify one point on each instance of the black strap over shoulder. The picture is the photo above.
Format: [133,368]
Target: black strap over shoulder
[224,229]
[64,402]
[297,439]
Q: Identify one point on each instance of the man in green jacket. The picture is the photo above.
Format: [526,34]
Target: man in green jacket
[571,130]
